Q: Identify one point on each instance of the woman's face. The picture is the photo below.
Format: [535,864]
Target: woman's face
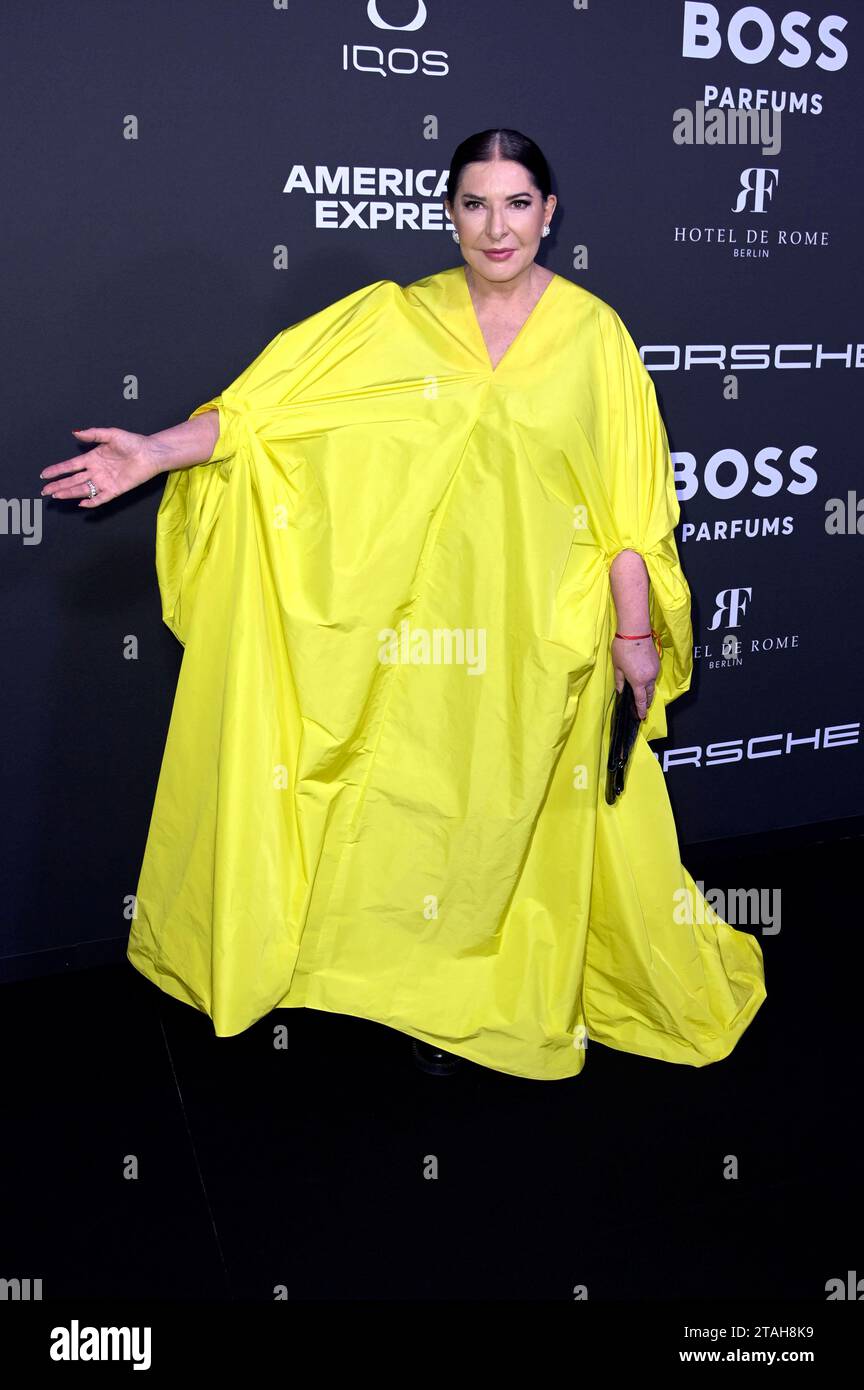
[498,206]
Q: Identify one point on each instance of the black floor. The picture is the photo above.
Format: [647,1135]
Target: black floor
[259,1168]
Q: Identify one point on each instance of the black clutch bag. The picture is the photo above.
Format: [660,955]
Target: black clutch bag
[625,727]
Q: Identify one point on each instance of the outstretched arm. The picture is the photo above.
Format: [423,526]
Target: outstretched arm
[184,445]
[123,460]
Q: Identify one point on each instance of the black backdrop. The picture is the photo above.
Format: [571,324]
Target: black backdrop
[173,198]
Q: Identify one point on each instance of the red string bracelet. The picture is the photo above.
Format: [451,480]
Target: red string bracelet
[638,637]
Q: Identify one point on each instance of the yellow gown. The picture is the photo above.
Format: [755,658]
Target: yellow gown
[382,791]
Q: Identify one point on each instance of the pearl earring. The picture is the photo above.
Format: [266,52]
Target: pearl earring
[455,236]
[546,230]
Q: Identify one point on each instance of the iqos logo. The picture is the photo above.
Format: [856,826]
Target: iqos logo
[395,62]
[417,22]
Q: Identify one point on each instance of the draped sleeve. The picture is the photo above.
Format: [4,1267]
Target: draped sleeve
[641,507]
[264,400]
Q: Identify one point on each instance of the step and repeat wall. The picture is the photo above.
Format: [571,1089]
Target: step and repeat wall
[186,180]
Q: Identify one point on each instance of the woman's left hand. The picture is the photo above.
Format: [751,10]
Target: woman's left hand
[637,663]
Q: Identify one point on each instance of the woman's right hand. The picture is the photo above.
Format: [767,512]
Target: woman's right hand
[122,460]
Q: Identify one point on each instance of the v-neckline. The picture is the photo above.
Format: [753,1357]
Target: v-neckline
[463,279]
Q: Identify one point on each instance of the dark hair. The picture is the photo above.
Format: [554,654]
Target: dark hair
[503,144]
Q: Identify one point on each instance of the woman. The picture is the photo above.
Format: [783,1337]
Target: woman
[411,551]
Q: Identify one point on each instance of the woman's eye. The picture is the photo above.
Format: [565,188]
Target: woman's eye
[517,203]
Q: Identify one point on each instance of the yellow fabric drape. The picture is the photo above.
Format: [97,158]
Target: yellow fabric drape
[382,792]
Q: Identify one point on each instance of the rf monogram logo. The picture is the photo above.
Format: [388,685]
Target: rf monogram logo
[733,602]
[761,184]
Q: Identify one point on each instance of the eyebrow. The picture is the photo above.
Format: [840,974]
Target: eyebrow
[481,199]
